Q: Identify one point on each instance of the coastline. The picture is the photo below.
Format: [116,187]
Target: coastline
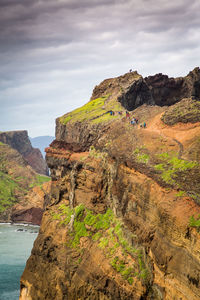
[19,224]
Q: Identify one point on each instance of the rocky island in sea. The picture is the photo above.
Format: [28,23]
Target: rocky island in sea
[123,217]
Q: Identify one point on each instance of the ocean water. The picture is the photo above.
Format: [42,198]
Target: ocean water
[16,242]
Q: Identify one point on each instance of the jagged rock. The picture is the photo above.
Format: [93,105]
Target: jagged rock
[168,91]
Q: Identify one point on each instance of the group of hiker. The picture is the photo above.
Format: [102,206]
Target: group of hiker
[133,121]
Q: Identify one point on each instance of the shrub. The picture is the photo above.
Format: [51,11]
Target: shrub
[194,222]
[170,166]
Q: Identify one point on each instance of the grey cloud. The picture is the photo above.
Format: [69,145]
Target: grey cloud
[59,49]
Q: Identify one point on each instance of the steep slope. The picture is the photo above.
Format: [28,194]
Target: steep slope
[16,179]
[19,140]
[125,199]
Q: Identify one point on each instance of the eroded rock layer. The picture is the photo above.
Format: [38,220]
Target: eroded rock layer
[122,218]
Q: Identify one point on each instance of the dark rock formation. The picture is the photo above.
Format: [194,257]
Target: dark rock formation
[167,91]
[32,216]
[153,90]
[19,140]
[136,95]
[164,90]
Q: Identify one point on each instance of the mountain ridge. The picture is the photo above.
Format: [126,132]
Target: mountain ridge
[19,140]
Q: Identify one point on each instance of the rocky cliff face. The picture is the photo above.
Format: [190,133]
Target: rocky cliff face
[131,90]
[17,179]
[167,91]
[19,140]
[122,220]
[31,208]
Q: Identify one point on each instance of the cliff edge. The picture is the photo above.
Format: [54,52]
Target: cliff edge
[122,221]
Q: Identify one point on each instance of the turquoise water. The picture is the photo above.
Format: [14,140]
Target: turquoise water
[16,242]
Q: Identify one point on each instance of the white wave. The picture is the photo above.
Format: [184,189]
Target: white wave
[25,225]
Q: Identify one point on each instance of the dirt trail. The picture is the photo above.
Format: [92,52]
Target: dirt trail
[180,132]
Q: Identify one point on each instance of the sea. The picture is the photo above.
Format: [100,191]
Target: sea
[16,242]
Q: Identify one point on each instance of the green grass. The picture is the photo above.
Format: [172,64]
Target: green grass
[143,158]
[79,231]
[180,194]
[97,236]
[87,112]
[164,156]
[182,165]
[40,179]
[103,119]
[8,187]
[127,273]
[172,165]
[15,179]
[159,167]
[95,111]
[107,232]
[194,222]
[103,242]
[84,217]
[2,144]
[140,156]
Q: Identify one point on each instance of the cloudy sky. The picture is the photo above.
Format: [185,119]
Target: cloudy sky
[53,52]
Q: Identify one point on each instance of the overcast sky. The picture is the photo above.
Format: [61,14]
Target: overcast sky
[53,52]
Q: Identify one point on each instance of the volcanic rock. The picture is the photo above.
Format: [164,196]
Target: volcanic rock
[122,218]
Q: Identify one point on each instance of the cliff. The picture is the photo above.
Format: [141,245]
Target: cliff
[17,179]
[122,221]
[19,140]
[31,208]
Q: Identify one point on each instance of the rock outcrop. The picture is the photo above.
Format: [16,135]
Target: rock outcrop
[122,221]
[185,111]
[167,91]
[131,90]
[19,140]
[30,209]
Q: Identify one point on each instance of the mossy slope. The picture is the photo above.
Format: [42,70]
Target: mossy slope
[95,111]
[185,111]
[16,178]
